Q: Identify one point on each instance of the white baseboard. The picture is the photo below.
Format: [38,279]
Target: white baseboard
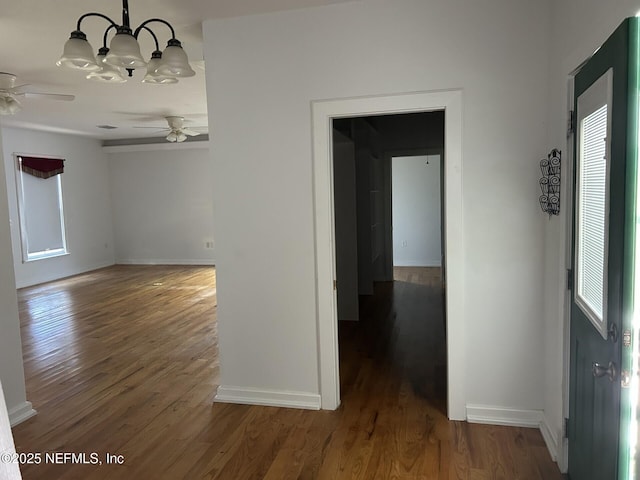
[271,398]
[156,261]
[54,277]
[549,438]
[503,416]
[20,413]
[418,263]
[514,417]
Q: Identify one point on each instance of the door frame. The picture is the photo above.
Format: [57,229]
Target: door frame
[323,112]
[567,176]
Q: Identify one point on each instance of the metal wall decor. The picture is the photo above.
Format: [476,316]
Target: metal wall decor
[550,183]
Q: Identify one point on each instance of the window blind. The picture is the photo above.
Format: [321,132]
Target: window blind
[592,220]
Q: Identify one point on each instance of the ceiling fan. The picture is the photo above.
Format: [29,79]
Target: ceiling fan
[177,131]
[10,93]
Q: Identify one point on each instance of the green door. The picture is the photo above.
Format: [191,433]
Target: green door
[606,133]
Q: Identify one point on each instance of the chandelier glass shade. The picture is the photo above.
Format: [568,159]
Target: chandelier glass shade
[152,75]
[78,53]
[123,53]
[107,72]
[174,62]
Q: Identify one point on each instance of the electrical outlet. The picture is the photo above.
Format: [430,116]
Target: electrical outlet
[404,243]
[208,244]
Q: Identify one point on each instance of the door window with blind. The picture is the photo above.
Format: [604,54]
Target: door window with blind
[592,207]
[40,207]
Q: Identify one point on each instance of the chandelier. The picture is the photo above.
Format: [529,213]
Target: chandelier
[123,53]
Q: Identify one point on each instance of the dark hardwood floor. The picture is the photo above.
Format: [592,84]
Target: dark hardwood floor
[123,361]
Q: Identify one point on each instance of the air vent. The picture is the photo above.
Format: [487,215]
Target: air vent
[106,127]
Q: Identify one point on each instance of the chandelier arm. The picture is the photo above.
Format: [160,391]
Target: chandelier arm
[94,14]
[143,25]
[106,32]
[155,39]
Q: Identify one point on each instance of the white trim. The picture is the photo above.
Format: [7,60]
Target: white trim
[323,112]
[566,233]
[151,147]
[588,102]
[271,398]
[419,263]
[512,417]
[550,439]
[157,261]
[20,413]
[515,417]
[84,270]
[58,252]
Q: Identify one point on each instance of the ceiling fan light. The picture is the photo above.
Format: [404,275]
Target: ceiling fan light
[180,137]
[172,137]
[78,53]
[9,105]
[152,76]
[175,62]
[124,50]
[107,73]
[7,81]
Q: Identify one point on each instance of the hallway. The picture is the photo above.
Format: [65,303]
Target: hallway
[394,384]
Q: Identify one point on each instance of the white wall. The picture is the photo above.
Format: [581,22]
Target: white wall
[162,206]
[415,200]
[11,369]
[87,204]
[579,27]
[263,72]
[8,470]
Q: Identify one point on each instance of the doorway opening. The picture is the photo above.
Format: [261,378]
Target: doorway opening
[388,242]
[323,114]
[417,210]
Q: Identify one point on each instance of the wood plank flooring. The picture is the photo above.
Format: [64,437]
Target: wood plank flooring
[123,360]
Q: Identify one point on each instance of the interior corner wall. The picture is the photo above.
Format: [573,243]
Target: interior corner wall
[264,71]
[578,28]
[11,367]
[162,206]
[87,204]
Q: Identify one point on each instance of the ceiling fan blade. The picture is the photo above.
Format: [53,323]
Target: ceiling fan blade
[18,88]
[48,96]
[191,133]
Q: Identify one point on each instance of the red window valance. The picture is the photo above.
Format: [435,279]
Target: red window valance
[42,167]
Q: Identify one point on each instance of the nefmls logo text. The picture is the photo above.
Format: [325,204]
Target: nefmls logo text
[71,457]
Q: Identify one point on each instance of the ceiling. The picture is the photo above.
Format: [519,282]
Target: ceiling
[33,32]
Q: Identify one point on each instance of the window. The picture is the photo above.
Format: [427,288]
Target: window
[592,215]
[40,207]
